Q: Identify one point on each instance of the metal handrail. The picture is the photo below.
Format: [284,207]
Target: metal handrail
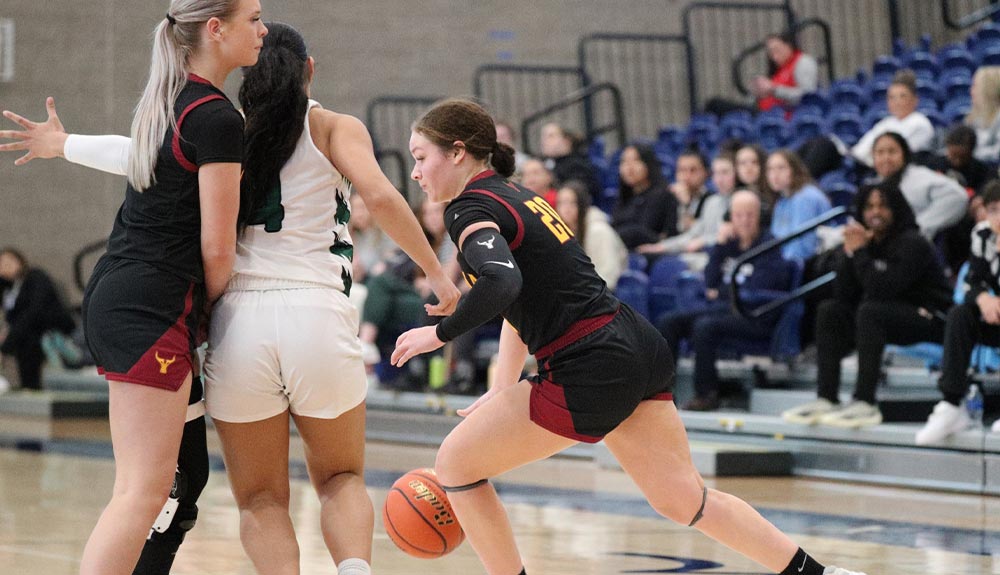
[971,19]
[374,103]
[585,96]
[477,80]
[737,62]
[401,162]
[770,246]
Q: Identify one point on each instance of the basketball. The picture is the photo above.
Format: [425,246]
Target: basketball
[418,516]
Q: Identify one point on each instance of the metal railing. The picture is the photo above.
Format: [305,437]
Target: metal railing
[740,306]
[759,49]
[512,91]
[389,119]
[969,19]
[650,70]
[583,98]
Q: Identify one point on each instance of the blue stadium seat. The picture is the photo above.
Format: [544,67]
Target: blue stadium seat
[927,106]
[956,110]
[877,90]
[637,262]
[849,93]
[928,90]
[872,116]
[841,196]
[884,67]
[990,56]
[816,99]
[633,289]
[608,198]
[988,33]
[833,178]
[737,129]
[847,127]
[664,285]
[771,131]
[957,59]
[939,120]
[923,64]
[845,109]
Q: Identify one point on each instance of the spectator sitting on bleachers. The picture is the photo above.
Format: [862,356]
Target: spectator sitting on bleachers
[506,135]
[984,117]
[976,321]
[889,288]
[646,210]
[824,154]
[32,307]
[960,164]
[706,326]
[691,174]
[566,159]
[591,227]
[938,201]
[537,178]
[800,202]
[371,245]
[791,74]
[705,231]
[750,160]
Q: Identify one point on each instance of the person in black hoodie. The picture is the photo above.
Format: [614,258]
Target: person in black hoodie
[889,288]
[32,306]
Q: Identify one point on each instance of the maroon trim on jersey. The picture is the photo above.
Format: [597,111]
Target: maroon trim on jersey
[665,396]
[482,176]
[156,367]
[575,332]
[175,145]
[192,77]
[548,409]
[517,217]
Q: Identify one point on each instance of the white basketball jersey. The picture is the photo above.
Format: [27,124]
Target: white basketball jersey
[303,242]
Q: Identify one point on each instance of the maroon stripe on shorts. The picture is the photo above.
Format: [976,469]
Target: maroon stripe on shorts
[168,362]
[575,332]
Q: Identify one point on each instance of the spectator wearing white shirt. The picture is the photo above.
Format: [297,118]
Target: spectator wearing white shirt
[903,118]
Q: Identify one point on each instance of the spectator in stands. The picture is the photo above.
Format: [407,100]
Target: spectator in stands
[396,298]
[960,164]
[646,210]
[750,160]
[537,178]
[506,135]
[984,117]
[800,201]
[32,307]
[960,161]
[889,289]
[371,245]
[708,326]
[938,201]
[824,154]
[593,230]
[705,231]
[691,174]
[791,74]
[567,159]
[973,322]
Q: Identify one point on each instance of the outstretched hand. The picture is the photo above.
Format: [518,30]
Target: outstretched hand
[415,342]
[490,394]
[41,140]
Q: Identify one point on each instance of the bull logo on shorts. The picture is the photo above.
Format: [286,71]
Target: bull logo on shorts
[164,363]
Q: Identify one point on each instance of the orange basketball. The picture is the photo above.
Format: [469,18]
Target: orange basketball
[418,516]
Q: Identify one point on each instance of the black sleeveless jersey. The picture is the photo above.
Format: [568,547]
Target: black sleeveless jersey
[162,224]
[560,286]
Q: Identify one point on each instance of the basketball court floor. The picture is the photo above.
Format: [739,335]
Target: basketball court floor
[570,517]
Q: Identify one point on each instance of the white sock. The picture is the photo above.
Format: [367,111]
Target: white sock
[354,566]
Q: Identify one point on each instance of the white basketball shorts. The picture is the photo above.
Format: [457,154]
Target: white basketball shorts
[283,349]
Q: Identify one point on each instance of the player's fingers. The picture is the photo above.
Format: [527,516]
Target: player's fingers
[24,159]
[14,147]
[19,120]
[14,135]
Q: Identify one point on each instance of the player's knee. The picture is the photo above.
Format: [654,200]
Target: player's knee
[263,498]
[684,510]
[450,468]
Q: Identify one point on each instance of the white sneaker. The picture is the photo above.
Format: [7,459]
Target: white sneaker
[856,415]
[945,420]
[809,413]
[840,571]
[995,428]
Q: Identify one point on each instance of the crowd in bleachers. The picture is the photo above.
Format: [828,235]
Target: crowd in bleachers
[665,219]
